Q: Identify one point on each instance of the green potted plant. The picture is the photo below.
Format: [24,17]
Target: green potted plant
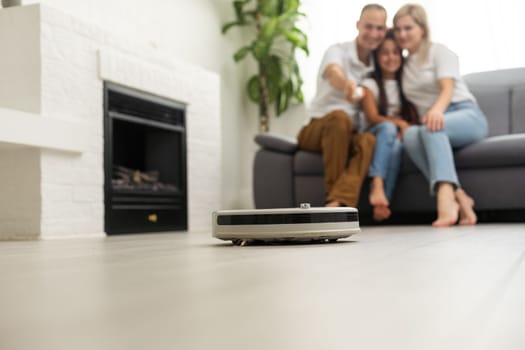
[275,40]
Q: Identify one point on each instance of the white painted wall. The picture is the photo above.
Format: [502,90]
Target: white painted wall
[189,31]
[19,92]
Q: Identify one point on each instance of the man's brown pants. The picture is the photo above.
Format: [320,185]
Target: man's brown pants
[346,155]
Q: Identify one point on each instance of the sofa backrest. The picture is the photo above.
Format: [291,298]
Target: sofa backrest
[501,95]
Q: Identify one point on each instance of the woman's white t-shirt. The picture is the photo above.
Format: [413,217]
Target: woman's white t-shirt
[421,80]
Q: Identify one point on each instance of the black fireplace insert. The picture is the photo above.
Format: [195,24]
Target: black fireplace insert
[145,183]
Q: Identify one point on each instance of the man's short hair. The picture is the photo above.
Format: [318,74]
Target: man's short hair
[372,7]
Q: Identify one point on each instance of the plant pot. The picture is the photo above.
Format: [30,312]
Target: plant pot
[10,3]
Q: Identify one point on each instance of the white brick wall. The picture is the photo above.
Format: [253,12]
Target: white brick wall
[75,59]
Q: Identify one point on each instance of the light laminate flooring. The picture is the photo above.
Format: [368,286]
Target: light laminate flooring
[398,287]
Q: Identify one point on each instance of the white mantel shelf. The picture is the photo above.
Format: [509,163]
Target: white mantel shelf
[24,122]
[34,130]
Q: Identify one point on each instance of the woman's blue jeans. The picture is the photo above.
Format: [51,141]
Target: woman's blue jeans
[431,151]
[387,155]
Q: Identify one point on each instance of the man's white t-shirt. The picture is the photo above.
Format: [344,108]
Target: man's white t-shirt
[327,98]
[421,80]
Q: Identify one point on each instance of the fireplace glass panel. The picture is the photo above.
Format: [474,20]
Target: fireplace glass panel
[144,162]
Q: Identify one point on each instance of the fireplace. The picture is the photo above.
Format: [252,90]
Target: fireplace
[145,186]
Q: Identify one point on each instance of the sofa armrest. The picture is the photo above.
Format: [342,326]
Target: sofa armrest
[276,143]
[493,152]
[273,179]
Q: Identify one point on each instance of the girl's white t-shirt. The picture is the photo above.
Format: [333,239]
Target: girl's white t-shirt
[391,91]
[393,108]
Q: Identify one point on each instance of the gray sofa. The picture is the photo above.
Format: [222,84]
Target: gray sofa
[492,171]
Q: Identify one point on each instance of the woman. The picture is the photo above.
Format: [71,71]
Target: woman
[388,113]
[449,114]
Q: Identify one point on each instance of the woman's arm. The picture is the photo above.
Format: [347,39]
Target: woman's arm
[434,119]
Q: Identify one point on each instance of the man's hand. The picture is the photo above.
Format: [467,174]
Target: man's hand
[337,78]
[434,120]
[348,89]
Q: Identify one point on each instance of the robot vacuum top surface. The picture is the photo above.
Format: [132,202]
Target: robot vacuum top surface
[302,209]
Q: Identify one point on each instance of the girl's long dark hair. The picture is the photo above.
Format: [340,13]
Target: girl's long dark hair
[408,111]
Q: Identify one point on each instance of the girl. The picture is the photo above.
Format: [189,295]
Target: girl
[388,113]
[449,114]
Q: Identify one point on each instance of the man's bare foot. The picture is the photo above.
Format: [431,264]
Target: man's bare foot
[333,204]
[467,215]
[381,213]
[377,195]
[448,208]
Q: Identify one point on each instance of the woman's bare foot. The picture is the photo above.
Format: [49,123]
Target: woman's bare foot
[377,195]
[467,215]
[381,213]
[333,204]
[448,208]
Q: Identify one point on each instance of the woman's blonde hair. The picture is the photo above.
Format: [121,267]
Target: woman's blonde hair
[417,12]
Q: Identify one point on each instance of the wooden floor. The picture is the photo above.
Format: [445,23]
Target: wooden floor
[399,287]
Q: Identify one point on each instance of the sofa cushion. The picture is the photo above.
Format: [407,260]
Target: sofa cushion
[407,166]
[492,152]
[276,142]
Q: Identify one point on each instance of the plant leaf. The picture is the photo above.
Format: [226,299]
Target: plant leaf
[229,25]
[261,49]
[291,5]
[269,29]
[241,53]
[290,15]
[253,89]
[238,7]
[304,39]
[295,39]
[270,8]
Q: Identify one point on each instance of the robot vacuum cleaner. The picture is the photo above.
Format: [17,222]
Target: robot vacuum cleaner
[304,224]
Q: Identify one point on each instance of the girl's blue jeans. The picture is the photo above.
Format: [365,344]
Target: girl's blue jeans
[387,155]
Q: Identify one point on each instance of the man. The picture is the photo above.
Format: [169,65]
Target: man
[335,112]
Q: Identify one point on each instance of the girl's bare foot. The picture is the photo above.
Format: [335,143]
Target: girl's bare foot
[467,215]
[377,192]
[381,213]
[448,208]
